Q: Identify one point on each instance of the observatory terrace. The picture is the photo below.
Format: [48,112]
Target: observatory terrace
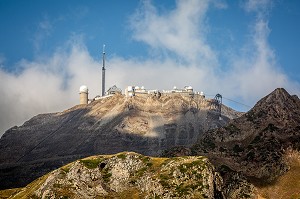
[147,125]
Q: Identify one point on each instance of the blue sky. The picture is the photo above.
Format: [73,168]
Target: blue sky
[242,49]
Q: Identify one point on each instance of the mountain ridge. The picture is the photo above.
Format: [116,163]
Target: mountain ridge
[255,144]
[127,175]
[251,152]
[147,125]
[274,115]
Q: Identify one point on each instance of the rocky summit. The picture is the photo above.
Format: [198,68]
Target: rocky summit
[253,155]
[254,146]
[128,175]
[144,124]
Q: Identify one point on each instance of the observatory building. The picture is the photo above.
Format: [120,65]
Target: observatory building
[113,90]
[141,91]
[83,93]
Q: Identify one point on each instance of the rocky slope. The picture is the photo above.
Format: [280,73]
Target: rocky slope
[128,175]
[254,146]
[147,125]
[287,185]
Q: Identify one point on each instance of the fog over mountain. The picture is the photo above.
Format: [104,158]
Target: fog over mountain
[179,54]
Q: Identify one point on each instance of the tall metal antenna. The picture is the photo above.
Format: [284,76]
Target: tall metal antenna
[103,71]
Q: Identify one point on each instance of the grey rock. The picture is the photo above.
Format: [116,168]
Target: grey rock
[147,125]
[127,174]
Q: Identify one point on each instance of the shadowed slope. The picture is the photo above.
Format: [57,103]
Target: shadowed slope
[147,125]
[254,144]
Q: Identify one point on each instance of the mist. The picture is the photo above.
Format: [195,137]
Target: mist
[179,55]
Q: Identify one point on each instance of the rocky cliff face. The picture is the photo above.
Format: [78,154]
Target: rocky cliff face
[129,175]
[147,125]
[254,144]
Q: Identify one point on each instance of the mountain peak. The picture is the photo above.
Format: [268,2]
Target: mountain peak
[278,94]
[145,124]
[255,143]
[278,104]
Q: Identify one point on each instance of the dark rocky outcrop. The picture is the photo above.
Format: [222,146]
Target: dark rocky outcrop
[254,144]
[147,125]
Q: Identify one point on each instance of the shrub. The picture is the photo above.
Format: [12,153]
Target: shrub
[122,156]
[91,163]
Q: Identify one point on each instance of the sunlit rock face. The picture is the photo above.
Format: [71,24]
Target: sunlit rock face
[130,175]
[144,124]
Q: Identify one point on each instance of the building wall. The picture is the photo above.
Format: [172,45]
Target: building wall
[83,98]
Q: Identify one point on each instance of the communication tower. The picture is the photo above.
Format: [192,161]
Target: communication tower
[103,71]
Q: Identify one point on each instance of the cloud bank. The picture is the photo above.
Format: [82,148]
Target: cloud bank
[179,54]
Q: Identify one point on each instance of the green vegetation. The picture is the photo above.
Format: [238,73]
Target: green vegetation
[66,169]
[132,193]
[91,163]
[187,166]
[245,195]
[140,172]
[106,176]
[157,163]
[161,169]
[164,180]
[56,185]
[122,156]
[189,170]
[27,192]
[147,160]
[182,189]
[9,192]
[149,164]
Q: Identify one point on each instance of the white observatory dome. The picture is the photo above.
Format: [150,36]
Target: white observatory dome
[83,89]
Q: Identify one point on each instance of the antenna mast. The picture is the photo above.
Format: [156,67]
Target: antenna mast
[103,71]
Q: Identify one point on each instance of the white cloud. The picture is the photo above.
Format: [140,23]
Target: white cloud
[255,71]
[220,4]
[46,86]
[181,31]
[257,5]
[2,60]
[52,83]
[44,30]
